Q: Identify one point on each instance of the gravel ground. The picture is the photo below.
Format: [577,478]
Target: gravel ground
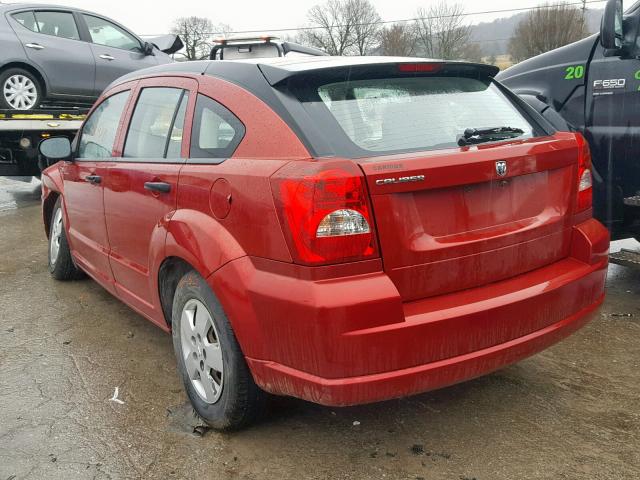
[571,412]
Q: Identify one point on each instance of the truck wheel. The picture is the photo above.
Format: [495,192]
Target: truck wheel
[215,374]
[61,264]
[21,90]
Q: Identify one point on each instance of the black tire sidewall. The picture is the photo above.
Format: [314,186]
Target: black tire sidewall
[221,414]
[64,267]
[4,75]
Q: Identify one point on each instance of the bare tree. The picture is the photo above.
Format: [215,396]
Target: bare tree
[398,40]
[341,27]
[441,31]
[333,30]
[196,33]
[546,28]
[366,28]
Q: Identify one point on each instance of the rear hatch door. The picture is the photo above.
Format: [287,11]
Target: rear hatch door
[447,220]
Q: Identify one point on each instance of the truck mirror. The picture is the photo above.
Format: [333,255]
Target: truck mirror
[611,34]
[55,149]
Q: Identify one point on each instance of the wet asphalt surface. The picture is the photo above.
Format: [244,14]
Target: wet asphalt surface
[571,412]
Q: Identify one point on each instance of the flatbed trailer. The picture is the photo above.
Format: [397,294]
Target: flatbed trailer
[21,132]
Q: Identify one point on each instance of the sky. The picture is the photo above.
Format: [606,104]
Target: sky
[146,17]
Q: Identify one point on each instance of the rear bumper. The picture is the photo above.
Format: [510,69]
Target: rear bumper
[280,379]
[350,340]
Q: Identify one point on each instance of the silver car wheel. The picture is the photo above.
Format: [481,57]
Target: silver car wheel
[20,92]
[201,351]
[54,238]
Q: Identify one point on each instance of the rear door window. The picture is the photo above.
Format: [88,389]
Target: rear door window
[216,131]
[27,20]
[175,137]
[393,115]
[155,131]
[99,131]
[56,24]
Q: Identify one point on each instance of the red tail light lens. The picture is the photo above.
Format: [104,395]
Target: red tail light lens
[585,182]
[324,211]
[419,67]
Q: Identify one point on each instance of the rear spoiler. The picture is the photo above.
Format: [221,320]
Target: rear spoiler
[167,43]
[364,67]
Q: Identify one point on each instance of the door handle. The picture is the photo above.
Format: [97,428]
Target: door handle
[106,56]
[95,179]
[35,46]
[161,187]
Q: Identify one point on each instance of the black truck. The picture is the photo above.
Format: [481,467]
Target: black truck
[593,86]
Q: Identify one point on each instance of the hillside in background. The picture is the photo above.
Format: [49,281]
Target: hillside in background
[493,37]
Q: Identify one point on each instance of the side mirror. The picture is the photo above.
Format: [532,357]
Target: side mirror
[147,48]
[611,34]
[55,149]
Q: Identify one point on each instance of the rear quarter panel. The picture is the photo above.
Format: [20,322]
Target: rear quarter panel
[208,236]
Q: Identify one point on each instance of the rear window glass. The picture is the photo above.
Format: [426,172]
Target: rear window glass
[216,131]
[392,115]
[57,24]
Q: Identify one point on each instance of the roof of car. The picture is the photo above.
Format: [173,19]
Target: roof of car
[5,7]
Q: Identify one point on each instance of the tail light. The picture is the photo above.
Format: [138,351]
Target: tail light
[325,213]
[585,183]
[419,67]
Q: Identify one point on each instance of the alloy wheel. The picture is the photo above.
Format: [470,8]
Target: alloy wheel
[56,233]
[201,351]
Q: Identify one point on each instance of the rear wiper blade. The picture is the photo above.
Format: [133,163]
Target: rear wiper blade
[472,136]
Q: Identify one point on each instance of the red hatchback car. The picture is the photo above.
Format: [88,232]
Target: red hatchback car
[342,230]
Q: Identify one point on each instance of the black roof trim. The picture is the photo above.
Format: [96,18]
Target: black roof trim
[166,69]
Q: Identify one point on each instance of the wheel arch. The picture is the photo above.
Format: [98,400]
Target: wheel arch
[47,210]
[170,272]
[33,70]
[195,241]
[51,191]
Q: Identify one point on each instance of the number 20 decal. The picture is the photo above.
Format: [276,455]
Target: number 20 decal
[574,72]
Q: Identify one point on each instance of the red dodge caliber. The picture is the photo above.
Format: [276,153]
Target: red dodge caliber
[342,230]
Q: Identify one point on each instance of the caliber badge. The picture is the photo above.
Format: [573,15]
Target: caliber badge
[393,180]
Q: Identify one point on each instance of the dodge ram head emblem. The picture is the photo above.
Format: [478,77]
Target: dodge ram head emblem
[501,168]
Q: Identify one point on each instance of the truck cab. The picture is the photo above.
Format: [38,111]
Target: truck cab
[593,86]
[265,46]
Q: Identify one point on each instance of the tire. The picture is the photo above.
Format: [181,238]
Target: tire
[61,263]
[29,90]
[204,344]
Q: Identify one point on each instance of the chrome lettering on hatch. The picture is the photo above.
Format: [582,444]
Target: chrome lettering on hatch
[392,181]
[501,168]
